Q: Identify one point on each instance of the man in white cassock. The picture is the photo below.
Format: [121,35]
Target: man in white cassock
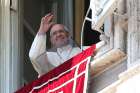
[62,48]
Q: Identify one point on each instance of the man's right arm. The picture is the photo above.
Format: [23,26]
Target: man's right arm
[39,44]
[38,48]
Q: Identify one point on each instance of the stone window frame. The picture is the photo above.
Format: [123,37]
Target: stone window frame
[110,54]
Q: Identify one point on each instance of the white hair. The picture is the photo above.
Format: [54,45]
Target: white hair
[65,29]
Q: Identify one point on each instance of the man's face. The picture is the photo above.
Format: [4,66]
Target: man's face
[59,37]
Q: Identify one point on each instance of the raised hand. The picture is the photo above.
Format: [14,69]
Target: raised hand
[46,23]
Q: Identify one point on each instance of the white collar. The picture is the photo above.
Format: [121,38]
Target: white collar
[64,48]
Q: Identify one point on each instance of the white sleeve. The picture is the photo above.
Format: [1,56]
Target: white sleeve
[38,48]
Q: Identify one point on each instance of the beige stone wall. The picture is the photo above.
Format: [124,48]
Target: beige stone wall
[125,37]
[128,82]
[130,86]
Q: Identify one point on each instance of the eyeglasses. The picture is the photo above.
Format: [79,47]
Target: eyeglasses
[56,32]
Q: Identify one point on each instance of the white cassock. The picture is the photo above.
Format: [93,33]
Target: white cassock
[43,60]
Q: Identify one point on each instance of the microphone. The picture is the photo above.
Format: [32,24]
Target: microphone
[82,30]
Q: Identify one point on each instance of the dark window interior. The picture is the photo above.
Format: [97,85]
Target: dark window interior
[90,36]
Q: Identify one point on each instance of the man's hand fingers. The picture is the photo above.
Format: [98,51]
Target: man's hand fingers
[48,15]
[46,23]
[47,19]
[43,19]
[50,18]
